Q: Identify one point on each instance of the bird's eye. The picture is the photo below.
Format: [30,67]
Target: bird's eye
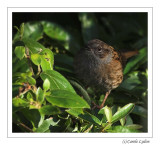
[99,49]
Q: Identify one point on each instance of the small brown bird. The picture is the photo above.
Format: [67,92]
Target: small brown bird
[101,66]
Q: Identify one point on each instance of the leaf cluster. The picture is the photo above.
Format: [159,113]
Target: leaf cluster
[47,96]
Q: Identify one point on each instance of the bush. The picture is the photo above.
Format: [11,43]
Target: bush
[47,96]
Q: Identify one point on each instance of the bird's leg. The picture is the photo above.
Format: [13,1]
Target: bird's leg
[104,100]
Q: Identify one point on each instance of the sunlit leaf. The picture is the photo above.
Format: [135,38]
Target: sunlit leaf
[18,102]
[122,112]
[66,99]
[57,81]
[34,46]
[20,51]
[46,84]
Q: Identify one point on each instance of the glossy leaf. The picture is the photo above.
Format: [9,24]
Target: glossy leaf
[136,61]
[66,99]
[31,80]
[49,110]
[47,59]
[33,30]
[121,129]
[36,59]
[40,95]
[45,125]
[18,102]
[32,115]
[134,126]
[122,112]
[86,116]
[57,81]
[29,96]
[20,51]
[139,110]
[21,30]
[108,113]
[34,46]
[54,31]
[46,84]
[82,91]
[122,120]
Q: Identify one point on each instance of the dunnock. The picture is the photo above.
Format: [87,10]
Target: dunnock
[100,65]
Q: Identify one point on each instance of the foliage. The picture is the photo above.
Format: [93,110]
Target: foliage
[47,96]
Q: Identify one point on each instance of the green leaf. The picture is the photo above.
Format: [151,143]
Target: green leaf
[18,102]
[31,80]
[122,120]
[57,81]
[40,95]
[46,84]
[129,120]
[108,113]
[33,30]
[20,51]
[29,96]
[49,110]
[86,116]
[91,28]
[134,126]
[21,30]
[121,129]
[36,59]
[136,61]
[139,110]
[66,99]
[54,31]
[47,59]
[44,58]
[45,125]
[131,81]
[32,115]
[122,112]
[34,47]
[82,91]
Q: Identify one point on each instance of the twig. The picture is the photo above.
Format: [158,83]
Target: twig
[29,62]
[23,125]
[86,131]
[39,71]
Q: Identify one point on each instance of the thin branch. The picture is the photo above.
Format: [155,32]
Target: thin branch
[29,61]
[23,125]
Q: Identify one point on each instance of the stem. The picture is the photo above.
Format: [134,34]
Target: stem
[107,126]
[39,71]
[23,125]
[86,131]
[29,62]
